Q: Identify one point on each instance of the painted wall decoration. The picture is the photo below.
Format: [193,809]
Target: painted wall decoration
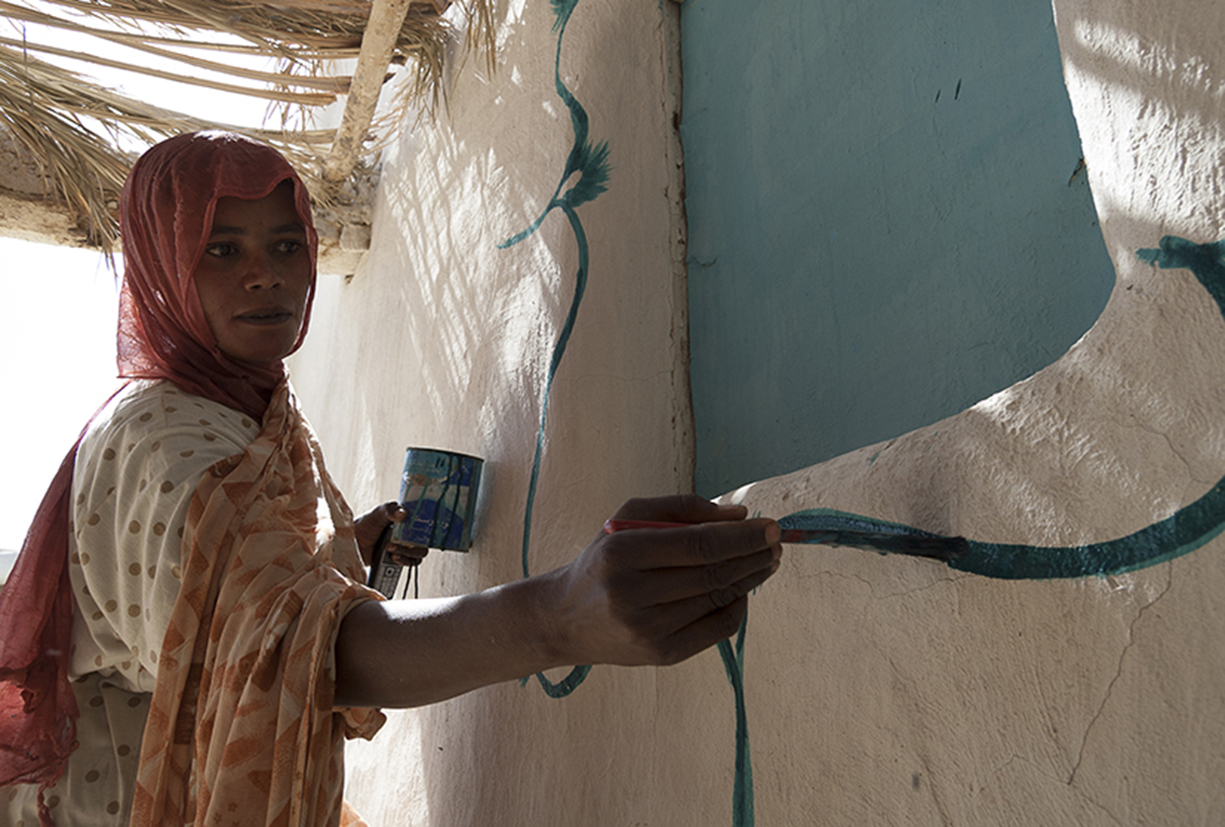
[1077,478]
[1188,529]
[878,690]
[782,206]
[590,163]
[743,813]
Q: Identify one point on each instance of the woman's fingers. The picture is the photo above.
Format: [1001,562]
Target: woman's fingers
[405,555]
[704,632]
[659,595]
[667,586]
[671,617]
[369,526]
[679,508]
[698,545]
[679,629]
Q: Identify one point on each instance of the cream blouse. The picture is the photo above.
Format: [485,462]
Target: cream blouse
[135,473]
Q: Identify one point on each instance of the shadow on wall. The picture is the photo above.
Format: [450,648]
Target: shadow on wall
[466,329]
[899,192]
[427,306]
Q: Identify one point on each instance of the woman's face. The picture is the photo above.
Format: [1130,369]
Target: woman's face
[254,276]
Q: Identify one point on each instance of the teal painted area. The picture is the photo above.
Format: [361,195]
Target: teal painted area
[886,221]
[829,519]
[591,162]
[1188,529]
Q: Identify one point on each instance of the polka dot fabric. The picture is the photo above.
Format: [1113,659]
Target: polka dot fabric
[208,580]
[132,488]
[96,788]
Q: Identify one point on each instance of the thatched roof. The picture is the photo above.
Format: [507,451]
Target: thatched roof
[65,142]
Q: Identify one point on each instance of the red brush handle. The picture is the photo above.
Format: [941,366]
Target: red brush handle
[612,526]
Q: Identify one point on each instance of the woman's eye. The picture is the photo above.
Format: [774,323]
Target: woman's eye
[288,246]
[221,250]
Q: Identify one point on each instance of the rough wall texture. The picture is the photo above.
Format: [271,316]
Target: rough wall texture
[889,690]
[877,689]
[444,340]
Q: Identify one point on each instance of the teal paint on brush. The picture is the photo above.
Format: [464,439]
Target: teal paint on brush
[1188,529]
[592,164]
[847,533]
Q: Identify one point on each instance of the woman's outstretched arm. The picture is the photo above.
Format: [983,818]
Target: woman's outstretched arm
[636,597]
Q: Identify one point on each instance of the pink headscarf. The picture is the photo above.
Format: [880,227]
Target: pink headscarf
[166,216]
[166,213]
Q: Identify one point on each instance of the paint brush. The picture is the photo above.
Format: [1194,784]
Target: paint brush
[912,543]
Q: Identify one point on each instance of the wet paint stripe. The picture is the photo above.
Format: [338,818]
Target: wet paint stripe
[1188,529]
[1180,534]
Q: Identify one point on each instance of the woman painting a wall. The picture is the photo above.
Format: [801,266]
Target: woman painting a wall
[194,572]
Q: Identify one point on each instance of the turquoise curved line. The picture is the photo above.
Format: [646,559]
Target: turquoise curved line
[1188,529]
[591,162]
[742,788]
[578,674]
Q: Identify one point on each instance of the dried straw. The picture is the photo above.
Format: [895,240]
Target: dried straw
[71,127]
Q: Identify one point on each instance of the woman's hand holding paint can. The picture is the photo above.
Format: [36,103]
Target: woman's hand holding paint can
[370,528]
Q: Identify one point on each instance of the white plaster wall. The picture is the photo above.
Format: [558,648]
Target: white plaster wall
[879,690]
[890,690]
[443,340]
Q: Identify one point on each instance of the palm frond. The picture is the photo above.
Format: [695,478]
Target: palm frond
[70,128]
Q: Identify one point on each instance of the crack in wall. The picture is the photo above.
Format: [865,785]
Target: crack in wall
[684,431]
[1052,729]
[1131,638]
[1063,777]
[1088,800]
[650,377]
[1015,758]
[1140,426]
[937,799]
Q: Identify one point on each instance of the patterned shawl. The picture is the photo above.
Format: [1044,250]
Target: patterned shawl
[249,651]
[243,704]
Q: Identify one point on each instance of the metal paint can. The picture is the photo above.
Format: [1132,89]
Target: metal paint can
[438,490]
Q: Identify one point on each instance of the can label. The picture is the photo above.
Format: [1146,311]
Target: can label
[438,490]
